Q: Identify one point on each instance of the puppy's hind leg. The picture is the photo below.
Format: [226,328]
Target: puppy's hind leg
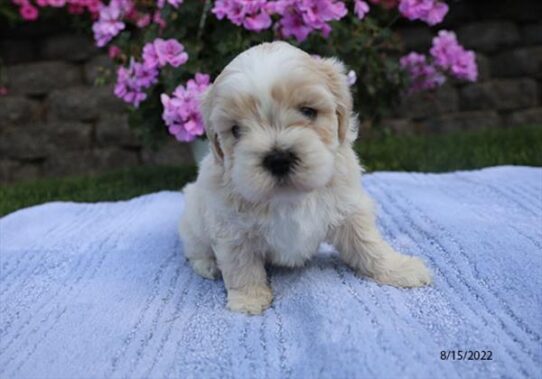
[197,245]
[198,251]
[202,260]
[361,246]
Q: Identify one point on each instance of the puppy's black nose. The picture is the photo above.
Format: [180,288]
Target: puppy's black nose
[279,162]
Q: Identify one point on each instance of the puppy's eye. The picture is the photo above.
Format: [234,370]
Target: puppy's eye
[236,131]
[309,112]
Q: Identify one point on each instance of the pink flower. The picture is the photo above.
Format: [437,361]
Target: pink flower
[300,18]
[252,15]
[143,21]
[430,11]
[133,80]
[423,75]
[292,25]
[93,6]
[437,13]
[257,22]
[57,3]
[150,59]
[158,20]
[170,51]
[3,91]
[445,46]
[114,51]
[162,52]
[361,8]
[109,24]
[126,6]
[449,55]
[181,113]
[143,76]
[73,6]
[465,66]
[28,12]
[199,84]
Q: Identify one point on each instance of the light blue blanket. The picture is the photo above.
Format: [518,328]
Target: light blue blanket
[102,290]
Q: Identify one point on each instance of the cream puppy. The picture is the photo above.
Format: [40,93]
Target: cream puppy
[282,178]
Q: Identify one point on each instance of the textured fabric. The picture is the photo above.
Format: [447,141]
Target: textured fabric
[102,290]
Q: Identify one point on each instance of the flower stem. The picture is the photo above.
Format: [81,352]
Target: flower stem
[203,18]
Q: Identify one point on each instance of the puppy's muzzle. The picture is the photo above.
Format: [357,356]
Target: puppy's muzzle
[279,162]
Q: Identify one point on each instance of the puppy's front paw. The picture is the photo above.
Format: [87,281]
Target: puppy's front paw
[251,300]
[404,271]
[205,267]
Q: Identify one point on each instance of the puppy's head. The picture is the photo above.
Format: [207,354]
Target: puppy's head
[275,118]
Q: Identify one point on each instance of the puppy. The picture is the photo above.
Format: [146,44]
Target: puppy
[281,178]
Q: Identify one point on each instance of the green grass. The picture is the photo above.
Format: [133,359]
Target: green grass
[454,151]
[430,153]
[118,185]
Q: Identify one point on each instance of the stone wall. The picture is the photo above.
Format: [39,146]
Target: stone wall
[55,122]
[507,38]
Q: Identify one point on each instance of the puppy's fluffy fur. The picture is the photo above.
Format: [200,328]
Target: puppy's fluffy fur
[242,212]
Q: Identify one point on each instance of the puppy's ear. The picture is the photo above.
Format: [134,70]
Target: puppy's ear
[206,106]
[337,82]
